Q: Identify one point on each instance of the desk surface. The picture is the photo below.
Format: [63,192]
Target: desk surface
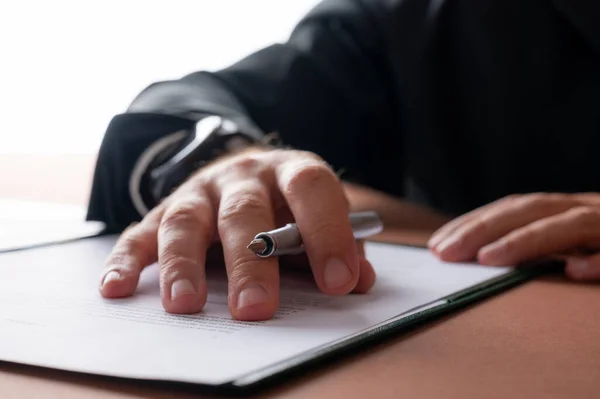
[537,340]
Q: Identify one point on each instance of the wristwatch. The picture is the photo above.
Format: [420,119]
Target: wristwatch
[171,160]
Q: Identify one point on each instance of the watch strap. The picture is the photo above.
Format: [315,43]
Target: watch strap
[211,137]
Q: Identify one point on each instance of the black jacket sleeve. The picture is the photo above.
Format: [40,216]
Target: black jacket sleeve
[328,89]
[584,17]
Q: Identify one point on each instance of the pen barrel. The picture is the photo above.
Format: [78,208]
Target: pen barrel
[285,240]
[365,224]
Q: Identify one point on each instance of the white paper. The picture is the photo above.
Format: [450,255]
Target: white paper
[52,315]
[24,224]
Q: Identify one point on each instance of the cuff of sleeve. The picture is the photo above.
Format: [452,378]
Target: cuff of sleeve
[127,137]
[133,141]
[193,98]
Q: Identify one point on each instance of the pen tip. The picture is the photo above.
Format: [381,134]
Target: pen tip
[258,246]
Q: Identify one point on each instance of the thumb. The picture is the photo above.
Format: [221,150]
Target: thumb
[584,268]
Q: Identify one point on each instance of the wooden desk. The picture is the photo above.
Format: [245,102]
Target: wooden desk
[540,340]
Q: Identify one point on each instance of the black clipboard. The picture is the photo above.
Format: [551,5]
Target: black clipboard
[393,328]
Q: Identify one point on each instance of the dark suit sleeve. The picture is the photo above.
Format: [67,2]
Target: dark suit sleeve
[584,17]
[328,89]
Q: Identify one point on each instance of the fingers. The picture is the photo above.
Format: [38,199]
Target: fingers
[575,228]
[366,278]
[583,268]
[367,274]
[441,236]
[317,200]
[135,249]
[463,243]
[245,210]
[236,199]
[449,228]
[444,232]
[184,236]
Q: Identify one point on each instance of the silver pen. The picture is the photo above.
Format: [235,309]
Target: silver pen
[286,240]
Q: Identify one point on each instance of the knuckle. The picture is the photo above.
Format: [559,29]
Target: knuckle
[246,165]
[324,229]
[511,198]
[528,244]
[585,213]
[133,244]
[543,199]
[478,229]
[510,244]
[118,261]
[239,206]
[194,211]
[558,197]
[244,270]
[536,200]
[587,219]
[305,177]
[245,162]
[534,238]
[173,266]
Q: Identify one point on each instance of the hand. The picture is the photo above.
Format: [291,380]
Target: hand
[230,201]
[521,228]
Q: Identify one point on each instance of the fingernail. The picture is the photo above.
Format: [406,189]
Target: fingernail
[111,276]
[578,266]
[182,287]
[336,274]
[252,295]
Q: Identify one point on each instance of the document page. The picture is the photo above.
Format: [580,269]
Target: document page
[51,314]
[24,224]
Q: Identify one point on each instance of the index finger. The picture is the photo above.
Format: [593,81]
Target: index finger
[318,202]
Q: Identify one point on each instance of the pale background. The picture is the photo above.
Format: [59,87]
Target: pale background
[67,67]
